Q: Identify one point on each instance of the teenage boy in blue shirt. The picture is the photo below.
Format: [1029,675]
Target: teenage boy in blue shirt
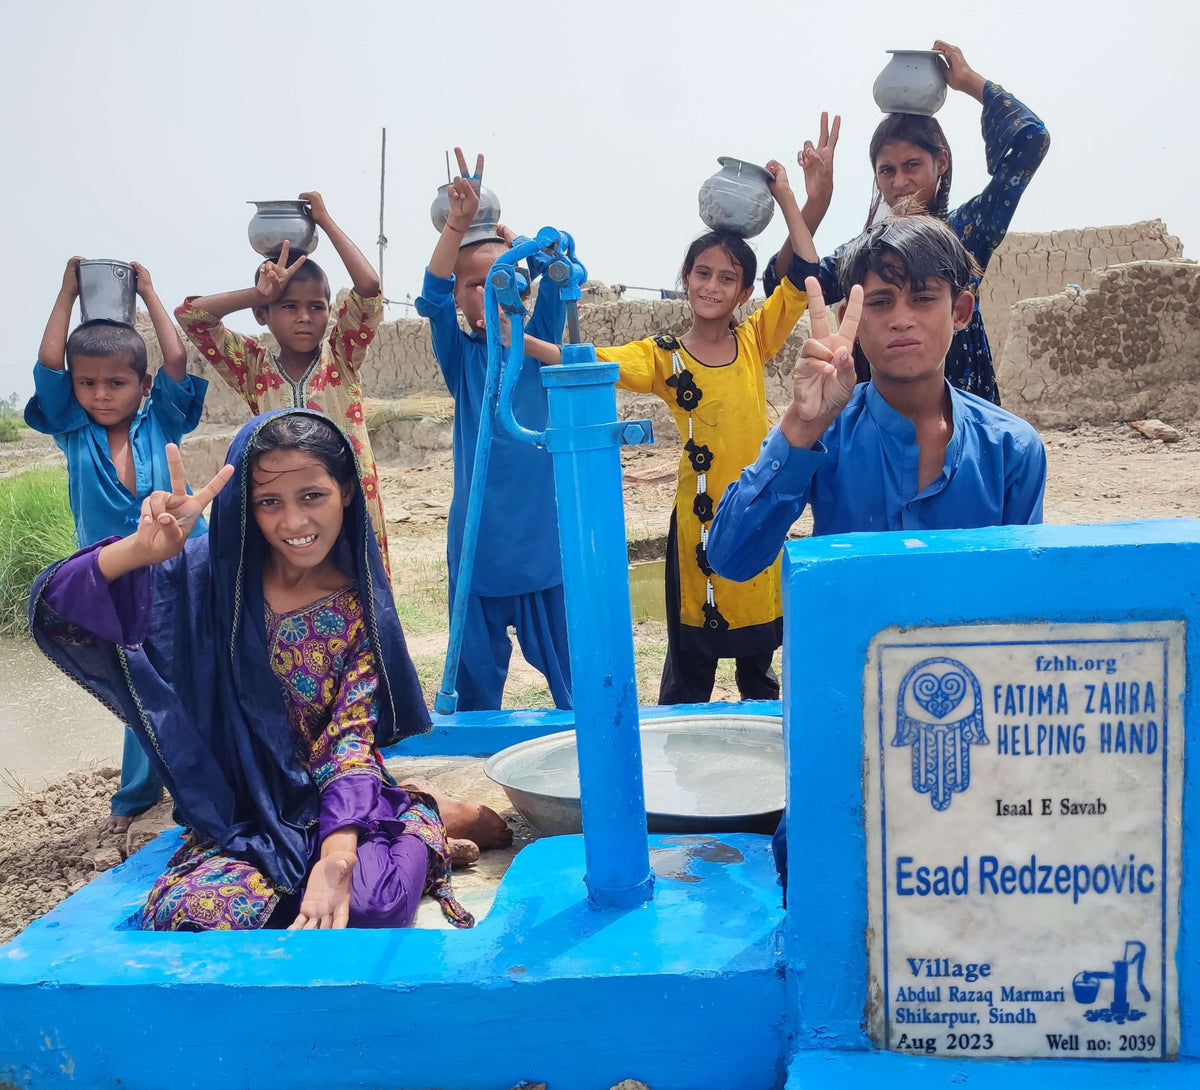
[905,451]
[89,389]
[517,578]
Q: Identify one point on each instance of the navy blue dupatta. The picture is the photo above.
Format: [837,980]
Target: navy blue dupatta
[198,688]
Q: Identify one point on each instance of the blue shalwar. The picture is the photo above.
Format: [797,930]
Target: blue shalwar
[103,507]
[517,578]
[862,476]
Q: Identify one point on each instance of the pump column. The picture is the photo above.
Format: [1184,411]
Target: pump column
[584,438]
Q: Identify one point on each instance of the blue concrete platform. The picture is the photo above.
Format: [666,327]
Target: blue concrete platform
[683,993]
[850,1070]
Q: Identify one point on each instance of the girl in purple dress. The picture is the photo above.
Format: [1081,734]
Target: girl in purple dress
[262,667]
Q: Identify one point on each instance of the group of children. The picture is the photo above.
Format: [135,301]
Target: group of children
[891,425]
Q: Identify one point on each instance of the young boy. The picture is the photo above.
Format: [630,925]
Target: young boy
[115,448]
[311,370]
[905,451]
[517,579]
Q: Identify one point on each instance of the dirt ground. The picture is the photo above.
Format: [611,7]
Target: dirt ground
[49,841]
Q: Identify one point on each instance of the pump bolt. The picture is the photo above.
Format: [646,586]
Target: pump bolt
[632,434]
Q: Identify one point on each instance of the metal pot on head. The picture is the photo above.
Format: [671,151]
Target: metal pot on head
[276,222]
[737,198]
[107,291]
[911,83]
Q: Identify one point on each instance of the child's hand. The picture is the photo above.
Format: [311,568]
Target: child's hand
[817,160]
[145,286]
[464,203]
[506,233]
[273,276]
[824,378]
[70,281]
[959,75]
[168,517]
[326,900]
[316,207]
[779,185]
[477,178]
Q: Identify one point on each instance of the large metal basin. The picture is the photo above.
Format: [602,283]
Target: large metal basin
[705,773]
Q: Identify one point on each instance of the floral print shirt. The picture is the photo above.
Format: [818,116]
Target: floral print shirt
[331,385]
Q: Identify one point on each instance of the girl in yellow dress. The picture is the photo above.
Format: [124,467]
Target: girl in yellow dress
[712,380]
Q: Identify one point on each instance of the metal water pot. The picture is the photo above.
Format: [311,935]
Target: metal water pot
[911,83]
[737,198]
[276,222]
[107,291]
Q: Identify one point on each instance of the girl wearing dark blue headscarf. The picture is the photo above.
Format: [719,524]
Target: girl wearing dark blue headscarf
[262,667]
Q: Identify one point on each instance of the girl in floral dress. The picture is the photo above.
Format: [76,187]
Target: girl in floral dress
[262,667]
[313,368]
[712,380]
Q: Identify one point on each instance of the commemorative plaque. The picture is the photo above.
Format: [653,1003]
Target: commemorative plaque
[1023,808]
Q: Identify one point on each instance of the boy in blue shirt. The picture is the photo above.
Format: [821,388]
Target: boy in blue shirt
[905,451]
[517,578]
[89,389]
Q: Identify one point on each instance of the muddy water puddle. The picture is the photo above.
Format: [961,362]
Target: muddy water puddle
[647,595]
[48,724]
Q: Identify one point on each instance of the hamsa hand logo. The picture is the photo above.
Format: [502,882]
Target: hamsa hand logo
[939,713]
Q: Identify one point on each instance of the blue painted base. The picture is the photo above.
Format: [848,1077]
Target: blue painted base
[813,1070]
[683,993]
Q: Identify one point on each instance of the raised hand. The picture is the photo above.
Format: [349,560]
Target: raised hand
[959,75]
[144,284]
[70,280]
[326,900]
[816,160]
[779,185]
[464,203]
[823,379]
[316,207]
[477,177]
[168,517]
[273,276]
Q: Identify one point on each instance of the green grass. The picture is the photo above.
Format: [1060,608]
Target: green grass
[36,529]
[10,427]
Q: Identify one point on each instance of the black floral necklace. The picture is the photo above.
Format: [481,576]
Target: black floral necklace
[688,396]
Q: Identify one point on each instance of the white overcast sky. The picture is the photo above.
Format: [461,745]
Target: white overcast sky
[139,130]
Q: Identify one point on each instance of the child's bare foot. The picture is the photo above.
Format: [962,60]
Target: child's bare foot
[462,852]
[466,820]
[116,823]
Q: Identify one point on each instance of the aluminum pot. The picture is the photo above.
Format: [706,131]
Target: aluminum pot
[737,198]
[911,83]
[701,773]
[276,222]
[107,291]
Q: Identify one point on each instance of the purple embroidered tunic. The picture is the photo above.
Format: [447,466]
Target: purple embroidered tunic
[325,663]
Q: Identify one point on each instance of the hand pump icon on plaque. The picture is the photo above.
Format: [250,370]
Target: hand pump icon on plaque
[1086,987]
[939,713]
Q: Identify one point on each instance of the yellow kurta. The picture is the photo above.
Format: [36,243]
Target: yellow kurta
[725,428]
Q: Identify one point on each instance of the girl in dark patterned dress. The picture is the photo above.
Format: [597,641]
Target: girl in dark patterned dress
[262,667]
[911,161]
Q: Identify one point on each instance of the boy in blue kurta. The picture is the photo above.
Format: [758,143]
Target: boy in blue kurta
[517,578]
[88,395]
[905,451]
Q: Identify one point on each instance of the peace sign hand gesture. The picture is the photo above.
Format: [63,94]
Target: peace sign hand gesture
[168,517]
[816,160]
[273,276]
[824,378]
